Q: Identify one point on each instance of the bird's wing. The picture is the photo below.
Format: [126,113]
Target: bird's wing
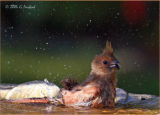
[85,95]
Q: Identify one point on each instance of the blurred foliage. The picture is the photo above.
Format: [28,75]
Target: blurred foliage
[59,39]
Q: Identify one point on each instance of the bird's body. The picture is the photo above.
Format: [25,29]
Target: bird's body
[96,91]
[99,89]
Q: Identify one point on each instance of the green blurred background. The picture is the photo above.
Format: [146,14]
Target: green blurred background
[55,40]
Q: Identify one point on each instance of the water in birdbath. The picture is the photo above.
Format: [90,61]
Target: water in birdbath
[47,108]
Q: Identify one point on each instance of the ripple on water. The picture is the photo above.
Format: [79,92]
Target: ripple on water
[47,108]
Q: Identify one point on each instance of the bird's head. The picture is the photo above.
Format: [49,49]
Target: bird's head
[105,63]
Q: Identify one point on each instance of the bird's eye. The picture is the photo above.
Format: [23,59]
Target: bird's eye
[105,62]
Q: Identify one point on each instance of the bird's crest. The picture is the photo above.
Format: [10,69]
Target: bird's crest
[108,50]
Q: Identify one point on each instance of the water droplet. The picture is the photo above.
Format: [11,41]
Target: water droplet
[52,57]
[66,8]
[15,69]
[29,13]
[8,62]
[54,9]
[137,30]
[49,37]
[118,13]
[135,62]
[46,80]
[38,61]
[38,71]
[11,27]
[97,36]
[30,66]
[21,32]
[50,73]
[20,71]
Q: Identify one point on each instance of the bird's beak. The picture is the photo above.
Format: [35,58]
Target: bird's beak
[115,64]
